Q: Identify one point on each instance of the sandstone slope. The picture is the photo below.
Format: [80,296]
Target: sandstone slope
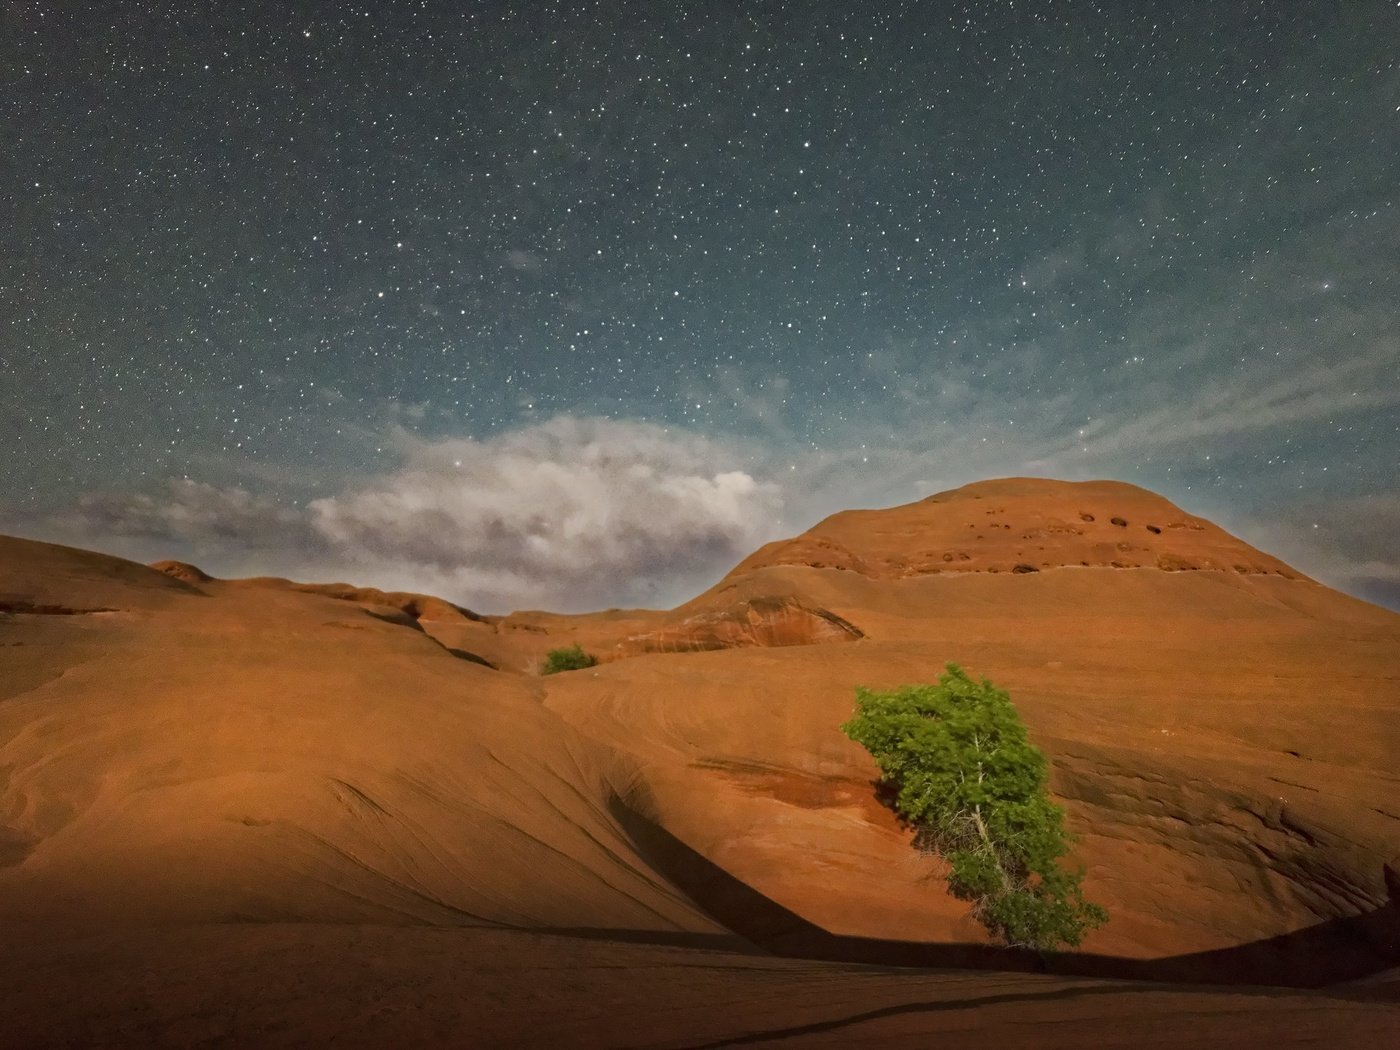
[210,752]
[1223,731]
[184,753]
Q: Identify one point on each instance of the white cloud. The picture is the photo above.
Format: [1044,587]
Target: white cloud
[570,513]
[189,511]
[1347,543]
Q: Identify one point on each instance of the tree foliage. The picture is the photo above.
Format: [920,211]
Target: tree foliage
[967,775]
[570,658]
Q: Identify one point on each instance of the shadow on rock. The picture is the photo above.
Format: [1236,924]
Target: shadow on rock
[1341,949]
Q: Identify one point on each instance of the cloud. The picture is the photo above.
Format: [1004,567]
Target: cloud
[189,511]
[570,513]
[1226,408]
[525,261]
[1347,543]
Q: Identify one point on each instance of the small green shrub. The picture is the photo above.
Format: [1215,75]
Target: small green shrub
[572,658]
[968,777]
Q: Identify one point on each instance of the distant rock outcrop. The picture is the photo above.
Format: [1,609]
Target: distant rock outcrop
[1020,525]
[411,605]
[764,622]
[182,570]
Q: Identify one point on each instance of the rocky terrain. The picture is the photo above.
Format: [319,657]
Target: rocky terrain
[285,813]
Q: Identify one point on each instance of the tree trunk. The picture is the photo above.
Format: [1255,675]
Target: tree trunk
[982,828]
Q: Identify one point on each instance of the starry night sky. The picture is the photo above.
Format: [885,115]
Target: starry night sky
[574,304]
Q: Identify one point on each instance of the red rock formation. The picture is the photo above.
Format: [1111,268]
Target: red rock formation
[221,773]
[1019,525]
[755,622]
[414,606]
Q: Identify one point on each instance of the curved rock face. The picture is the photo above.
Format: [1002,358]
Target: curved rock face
[35,575]
[415,606]
[763,622]
[272,754]
[1225,741]
[411,605]
[1019,525]
[1224,738]
[182,570]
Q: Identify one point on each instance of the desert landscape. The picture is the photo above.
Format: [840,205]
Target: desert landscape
[643,525]
[241,812]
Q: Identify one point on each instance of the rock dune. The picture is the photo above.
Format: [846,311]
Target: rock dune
[277,813]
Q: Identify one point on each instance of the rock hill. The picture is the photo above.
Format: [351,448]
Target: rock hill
[1019,525]
[287,810]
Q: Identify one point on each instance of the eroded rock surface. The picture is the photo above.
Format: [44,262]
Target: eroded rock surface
[1019,525]
[267,754]
[755,622]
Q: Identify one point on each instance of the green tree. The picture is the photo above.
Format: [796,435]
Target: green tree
[967,776]
[571,658]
